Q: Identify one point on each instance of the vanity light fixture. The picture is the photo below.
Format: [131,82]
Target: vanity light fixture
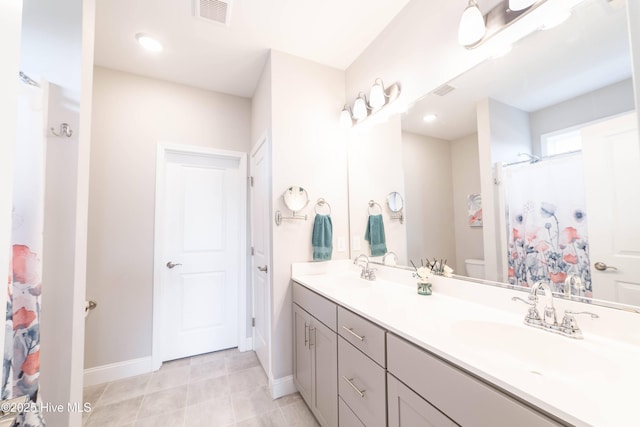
[346,120]
[516,5]
[472,26]
[360,107]
[149,43]
[377,96]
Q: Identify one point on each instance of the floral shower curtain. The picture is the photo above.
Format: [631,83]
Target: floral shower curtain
[21,370]
[547,222]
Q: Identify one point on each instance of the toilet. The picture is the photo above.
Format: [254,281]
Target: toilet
[475,268]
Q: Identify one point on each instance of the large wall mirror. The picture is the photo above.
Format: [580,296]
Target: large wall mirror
[530,168]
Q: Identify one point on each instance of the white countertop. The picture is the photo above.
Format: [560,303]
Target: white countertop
[594,381]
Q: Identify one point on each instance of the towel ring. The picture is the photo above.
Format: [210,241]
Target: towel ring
[322,202]
[373,204]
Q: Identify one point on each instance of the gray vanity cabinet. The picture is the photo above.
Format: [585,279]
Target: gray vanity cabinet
[315,355]
[463,398]
[407,409]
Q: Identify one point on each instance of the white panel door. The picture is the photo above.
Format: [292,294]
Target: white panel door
[612,175]
[202,254]
[260,242]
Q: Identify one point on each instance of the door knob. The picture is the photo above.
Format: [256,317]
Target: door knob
[601,266]
[171,264]
[264,269]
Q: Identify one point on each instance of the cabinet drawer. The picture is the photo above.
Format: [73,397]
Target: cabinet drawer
[465,399]
[366,336]
[407,409]
[346,416]
[362,385]
[318,306]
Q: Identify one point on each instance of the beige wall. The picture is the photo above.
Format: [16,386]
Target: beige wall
[308,150]
[130,115]
[429,196]
[465,165]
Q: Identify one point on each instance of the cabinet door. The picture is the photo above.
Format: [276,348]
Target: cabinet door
[302,357]
[324,345]
[407,409]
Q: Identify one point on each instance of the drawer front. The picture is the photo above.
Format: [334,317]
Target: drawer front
[346,416]
[362,385]
[463,398]
[407,409]
[318,306]
[366,336]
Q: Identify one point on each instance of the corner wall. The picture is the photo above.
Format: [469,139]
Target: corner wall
[308,150]
[131,114]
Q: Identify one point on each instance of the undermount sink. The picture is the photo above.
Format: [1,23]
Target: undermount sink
[539,352]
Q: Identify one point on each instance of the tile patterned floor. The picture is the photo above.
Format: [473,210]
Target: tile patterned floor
[225,388]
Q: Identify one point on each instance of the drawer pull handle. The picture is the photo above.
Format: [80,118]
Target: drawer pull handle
[306,334]
[350,330]
[350,382]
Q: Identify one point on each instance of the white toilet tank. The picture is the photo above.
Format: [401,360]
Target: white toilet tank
[475,268]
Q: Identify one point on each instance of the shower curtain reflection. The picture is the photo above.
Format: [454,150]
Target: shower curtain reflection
[546,222]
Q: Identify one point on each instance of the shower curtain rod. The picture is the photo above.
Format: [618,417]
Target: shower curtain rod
[27,80]
[541,159]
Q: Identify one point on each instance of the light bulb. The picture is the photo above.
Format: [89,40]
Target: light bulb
[345,118]
[472,26]
[516,5]
[360,107]
[149,43]
[429,118]
[377,97]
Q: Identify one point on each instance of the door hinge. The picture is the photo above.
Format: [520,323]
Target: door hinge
[253,251]
[251,181]
[253,321]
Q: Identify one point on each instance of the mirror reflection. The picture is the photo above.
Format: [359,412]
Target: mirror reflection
[395,202]
[521,168]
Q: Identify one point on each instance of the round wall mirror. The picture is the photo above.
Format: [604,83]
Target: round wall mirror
[395,202]
[295,198]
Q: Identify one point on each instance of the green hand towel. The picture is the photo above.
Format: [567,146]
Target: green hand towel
[322,238]
[375,235]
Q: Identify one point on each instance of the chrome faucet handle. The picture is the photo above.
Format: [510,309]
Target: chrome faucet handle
[532,317]
[569,326]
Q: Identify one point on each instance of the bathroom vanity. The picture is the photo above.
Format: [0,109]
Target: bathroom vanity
[375,353]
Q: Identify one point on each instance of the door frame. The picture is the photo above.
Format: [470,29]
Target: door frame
[265,141]
[162,152]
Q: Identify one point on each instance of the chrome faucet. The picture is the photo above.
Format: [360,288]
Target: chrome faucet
[384,258]
[573,282]
[568,327]
[549,310]
[366,273]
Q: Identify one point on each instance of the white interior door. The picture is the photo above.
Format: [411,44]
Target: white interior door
[260,242]
[611,152]
[202,254]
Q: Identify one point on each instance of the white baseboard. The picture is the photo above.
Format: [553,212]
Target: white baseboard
[282,387]
[245,344]
[117,371]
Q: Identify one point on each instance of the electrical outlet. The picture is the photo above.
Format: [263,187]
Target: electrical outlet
[341,244]
[355,242]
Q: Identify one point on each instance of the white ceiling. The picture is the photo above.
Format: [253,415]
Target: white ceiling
[230,59]
[588,52]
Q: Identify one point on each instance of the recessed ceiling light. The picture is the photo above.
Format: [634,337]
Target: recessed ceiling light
[429,118]
[149,43]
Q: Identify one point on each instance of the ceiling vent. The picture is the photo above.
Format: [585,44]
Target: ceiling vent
[443,90]
[218,11]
